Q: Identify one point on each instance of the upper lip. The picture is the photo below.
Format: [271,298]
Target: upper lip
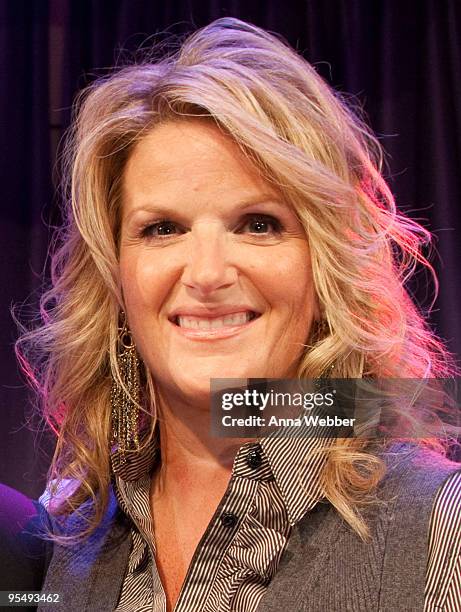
[211,312]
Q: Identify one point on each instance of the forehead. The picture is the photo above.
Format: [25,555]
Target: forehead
[190,158]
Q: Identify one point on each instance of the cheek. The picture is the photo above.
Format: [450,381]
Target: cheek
[287,275]
[142,281]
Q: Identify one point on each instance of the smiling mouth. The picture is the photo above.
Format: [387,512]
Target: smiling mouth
[213,323]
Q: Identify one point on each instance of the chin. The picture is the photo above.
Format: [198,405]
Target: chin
[200,372]
[198,389]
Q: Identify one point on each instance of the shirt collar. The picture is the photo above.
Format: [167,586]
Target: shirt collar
[295,463]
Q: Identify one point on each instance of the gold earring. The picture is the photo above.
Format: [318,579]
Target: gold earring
[125,399]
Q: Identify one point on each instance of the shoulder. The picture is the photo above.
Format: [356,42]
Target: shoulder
[111,525]
[412,487]
[97,560]
[416,472]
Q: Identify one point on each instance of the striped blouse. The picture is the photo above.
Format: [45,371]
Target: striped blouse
[241,548]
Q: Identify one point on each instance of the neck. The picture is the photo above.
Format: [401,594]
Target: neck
[188,450]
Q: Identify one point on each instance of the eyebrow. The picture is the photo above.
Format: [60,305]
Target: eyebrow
[165,211]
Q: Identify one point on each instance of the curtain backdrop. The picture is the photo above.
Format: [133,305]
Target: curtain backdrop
[401,59]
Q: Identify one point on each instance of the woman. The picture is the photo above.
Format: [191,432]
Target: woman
[226,218]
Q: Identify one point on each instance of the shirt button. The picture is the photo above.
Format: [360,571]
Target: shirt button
[228,519]
[254,458]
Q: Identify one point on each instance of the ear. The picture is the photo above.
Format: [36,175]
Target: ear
[120,298]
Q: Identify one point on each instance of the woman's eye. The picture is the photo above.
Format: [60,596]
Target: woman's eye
[262,224]
[161,228]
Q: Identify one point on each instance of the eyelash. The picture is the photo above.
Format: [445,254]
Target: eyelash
[277,227]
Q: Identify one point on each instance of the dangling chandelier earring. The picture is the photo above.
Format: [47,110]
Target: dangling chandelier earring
[125,400]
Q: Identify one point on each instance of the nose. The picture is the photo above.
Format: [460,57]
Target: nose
[209,266]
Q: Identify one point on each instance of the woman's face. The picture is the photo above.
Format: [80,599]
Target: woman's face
[214,266]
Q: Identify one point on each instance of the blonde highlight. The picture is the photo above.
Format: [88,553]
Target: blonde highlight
[303,138]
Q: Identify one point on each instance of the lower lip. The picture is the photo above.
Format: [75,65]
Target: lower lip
[213,334]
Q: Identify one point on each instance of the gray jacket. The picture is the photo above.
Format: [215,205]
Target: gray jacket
[325,567]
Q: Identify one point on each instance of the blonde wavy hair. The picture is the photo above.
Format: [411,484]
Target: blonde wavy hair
[304,138]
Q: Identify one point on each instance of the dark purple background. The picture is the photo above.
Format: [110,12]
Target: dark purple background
[402,59]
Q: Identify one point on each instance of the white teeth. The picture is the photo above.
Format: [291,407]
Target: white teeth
[189,322]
